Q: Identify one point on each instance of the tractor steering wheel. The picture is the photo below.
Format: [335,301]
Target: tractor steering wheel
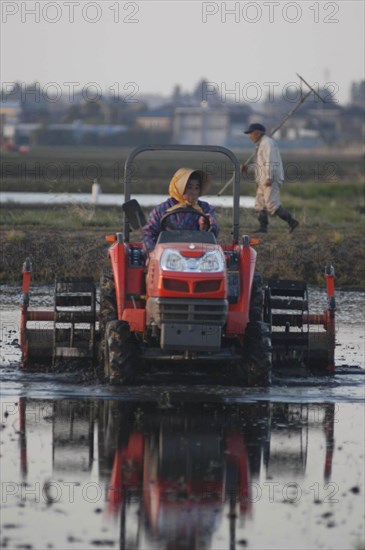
[165,225]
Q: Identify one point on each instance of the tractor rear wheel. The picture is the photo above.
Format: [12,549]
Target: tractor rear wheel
[257,298]
[108,312]
[108,301]
[258,354]
[257,349]
[118,346]
[120,352]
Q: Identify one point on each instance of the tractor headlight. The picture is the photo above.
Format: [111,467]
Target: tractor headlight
[172,260]
[211,262]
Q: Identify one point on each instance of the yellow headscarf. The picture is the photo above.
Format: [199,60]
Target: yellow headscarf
[178,184]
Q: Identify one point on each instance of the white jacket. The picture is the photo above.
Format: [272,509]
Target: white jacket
[268,162]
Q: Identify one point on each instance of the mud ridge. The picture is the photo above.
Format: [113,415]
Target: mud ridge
[84,252]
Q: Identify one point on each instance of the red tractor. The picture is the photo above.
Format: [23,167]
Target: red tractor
[191,301]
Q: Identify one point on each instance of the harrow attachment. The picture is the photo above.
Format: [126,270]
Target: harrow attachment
[300,339]
[50,338]
[74,318]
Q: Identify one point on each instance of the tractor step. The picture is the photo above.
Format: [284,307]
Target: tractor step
[74,318]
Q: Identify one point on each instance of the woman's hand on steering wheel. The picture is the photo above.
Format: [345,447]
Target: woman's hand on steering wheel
[204,220]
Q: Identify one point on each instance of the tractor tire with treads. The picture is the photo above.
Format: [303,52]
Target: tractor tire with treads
[120,352]
[256,370]
[108,301]
[118,346]
[258,352]
[108,312]
[257,299]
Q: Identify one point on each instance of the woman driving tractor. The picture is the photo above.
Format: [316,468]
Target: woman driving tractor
[185,188]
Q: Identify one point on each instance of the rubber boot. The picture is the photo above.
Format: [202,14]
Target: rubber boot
[287,217]
[263,221]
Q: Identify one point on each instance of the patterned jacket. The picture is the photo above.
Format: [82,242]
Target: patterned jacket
[152,229]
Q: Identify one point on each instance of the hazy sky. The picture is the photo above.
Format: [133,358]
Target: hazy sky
[149,46]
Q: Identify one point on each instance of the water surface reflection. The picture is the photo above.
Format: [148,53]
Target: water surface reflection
[165,475]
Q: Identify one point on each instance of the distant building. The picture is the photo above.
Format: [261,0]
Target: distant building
[20,133]
[200,126]
[153,101]
[10,113]
[60,134]
[10,110]
[238,117]
[352,126]
[80,130]
[198,117]
[358,94]
[154,121]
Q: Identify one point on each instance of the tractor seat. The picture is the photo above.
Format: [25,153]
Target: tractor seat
[186,236]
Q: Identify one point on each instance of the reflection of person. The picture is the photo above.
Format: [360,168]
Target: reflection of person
[269,177]
[185,188]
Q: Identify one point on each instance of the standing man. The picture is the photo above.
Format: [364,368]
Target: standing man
[269,176]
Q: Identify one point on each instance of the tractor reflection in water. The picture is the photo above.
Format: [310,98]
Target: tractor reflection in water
[184,465]
[174,475]
[182,470]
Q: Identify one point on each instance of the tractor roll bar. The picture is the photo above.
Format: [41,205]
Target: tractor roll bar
[128,172]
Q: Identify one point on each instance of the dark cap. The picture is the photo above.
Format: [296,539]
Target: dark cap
[255,126]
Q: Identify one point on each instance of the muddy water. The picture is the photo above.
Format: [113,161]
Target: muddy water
[175,466]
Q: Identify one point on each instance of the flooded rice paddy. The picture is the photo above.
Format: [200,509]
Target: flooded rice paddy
[166,465]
